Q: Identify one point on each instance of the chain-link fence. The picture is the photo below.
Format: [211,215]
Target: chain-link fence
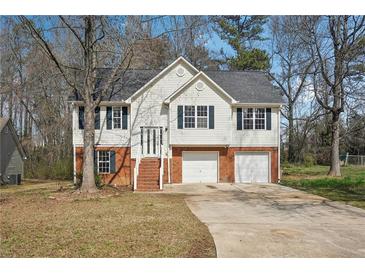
[353,160]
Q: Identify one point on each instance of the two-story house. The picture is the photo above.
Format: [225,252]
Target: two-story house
[182,125]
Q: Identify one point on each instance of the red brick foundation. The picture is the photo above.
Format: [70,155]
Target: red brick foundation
[226,161]
[122,176]
[125,165]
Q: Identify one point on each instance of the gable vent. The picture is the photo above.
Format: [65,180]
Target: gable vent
[180,72]
[199,85]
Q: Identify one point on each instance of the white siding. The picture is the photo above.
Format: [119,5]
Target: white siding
[148,109]
[108,137]
[253,138]
[220,135]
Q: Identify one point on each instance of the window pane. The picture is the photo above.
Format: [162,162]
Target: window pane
[247,123]
[116,117]
[260,113]
[202,122]
[248,113]
[189,122]
[202,110]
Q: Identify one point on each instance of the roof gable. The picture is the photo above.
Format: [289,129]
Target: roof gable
[200,75]
[161,74]
[5,122]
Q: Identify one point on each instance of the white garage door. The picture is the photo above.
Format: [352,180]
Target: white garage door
[252,167]
[200,167]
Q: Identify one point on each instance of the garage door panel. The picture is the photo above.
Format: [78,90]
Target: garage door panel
[251,167]
[200,167]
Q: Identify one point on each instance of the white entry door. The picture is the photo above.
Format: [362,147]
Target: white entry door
[151,141]
[200,167]
[252,167]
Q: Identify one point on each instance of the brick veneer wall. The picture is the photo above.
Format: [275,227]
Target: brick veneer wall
[226,161]
[123,171]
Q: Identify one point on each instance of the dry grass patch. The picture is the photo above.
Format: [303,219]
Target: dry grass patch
[37,220]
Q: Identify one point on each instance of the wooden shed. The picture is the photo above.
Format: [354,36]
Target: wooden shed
[12,154]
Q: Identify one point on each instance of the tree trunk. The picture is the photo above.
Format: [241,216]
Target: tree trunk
[2,99]
[291,152]
[88,179]
[335,169]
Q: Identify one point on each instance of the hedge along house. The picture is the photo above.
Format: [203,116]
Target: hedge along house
[182,125]
[12,154]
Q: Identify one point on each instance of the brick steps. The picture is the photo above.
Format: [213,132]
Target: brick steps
[149,175]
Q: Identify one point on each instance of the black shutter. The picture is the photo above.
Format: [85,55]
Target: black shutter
[81,117]
[268,118]
[239,118]
[211,117]
[124,117]
[180,117]
[112,161]
[97,118]
[109,119]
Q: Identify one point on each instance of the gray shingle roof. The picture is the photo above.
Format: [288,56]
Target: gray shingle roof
[127,84]
[243,86]
[247,86]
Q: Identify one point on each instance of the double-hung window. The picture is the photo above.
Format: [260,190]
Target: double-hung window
[195,116]
[254,118]
[248,118]
[260,118]
[189,117]
[103,161]
[117,118]
[202,117]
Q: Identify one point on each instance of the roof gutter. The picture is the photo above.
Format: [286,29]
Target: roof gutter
[259,104]
[103,103]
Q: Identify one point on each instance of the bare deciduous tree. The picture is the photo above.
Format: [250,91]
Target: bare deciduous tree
[337,45]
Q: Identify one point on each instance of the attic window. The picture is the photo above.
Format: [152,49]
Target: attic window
[199,85]
[180,72]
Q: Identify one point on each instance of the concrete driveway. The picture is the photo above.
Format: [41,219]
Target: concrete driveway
[252,220]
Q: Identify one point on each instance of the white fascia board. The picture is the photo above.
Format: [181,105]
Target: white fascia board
[279,105]
[104,103]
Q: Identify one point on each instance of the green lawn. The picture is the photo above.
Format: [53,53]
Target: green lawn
[350,188]
[37,220]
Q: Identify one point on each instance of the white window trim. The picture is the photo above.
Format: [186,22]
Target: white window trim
[98,162]
[254,119]
[120,117]
[196,117]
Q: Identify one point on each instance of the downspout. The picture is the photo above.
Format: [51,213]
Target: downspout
[168,147]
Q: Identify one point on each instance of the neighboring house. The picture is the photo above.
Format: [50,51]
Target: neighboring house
[12,154]
[211,126]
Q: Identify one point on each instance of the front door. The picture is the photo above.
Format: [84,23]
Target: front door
[151,141]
